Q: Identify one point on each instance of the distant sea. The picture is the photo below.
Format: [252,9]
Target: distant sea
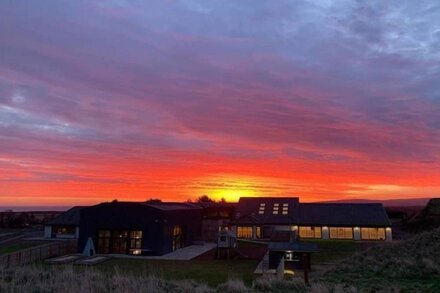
[34,208]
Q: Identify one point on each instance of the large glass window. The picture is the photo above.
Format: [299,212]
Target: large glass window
[373,233]
[103,241]
[310,232]
[244,232]
[341,232]
[119,241]
[178,237]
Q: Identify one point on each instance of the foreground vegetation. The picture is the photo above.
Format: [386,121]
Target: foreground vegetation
[408,266]
[69,279]
[412,265]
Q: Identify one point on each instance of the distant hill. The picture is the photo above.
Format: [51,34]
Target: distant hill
[387,202]
[413,264]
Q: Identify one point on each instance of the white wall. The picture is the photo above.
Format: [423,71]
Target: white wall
[47,231]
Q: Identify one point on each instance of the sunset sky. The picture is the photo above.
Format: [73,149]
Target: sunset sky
[175,99]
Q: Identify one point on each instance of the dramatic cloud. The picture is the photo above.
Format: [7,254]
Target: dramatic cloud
[174,99]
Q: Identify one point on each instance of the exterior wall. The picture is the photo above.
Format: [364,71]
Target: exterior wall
[356,233]
[47,231]
[325,232]
[389,234]
[156,225]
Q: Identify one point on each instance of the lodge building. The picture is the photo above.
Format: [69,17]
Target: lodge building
[157,228]
[258,217]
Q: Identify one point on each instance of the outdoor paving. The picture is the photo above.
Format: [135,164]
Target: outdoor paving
[64,259]
[262,266]
[92,260]
[185,253]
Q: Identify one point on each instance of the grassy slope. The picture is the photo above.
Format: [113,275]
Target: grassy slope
[413,264]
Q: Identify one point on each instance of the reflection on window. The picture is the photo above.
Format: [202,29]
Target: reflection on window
[310,232]
[373,233]
[341,232]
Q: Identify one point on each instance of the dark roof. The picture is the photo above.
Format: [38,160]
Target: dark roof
[173,206]
[216,204]
[163,206]
[340,214]
[293,246]
[247,209]
[69,217]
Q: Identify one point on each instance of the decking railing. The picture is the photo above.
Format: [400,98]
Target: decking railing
[37,253]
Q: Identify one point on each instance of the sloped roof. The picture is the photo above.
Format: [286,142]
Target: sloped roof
[340,214]
[69,218]
[247,211]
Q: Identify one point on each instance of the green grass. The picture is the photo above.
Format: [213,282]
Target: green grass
[211,272]
[14,247]
[4,231]
[332,251]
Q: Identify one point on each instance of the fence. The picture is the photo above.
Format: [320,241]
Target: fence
[38,253]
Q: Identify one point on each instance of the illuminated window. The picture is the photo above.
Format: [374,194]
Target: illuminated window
[310,232]
[285,209]
[341,232]
[178,237]
[276,207]
[119,241]
[373,233]
[258,232]
[244,232]
[64,230]
[262,208]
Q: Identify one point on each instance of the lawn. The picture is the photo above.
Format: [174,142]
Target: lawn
[15,247]
[333,251]
[210,272]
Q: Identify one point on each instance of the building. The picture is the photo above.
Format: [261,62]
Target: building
[258,217]
[65,226]
[216,217]
[147,228]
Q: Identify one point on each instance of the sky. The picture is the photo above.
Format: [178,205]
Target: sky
[175,99]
